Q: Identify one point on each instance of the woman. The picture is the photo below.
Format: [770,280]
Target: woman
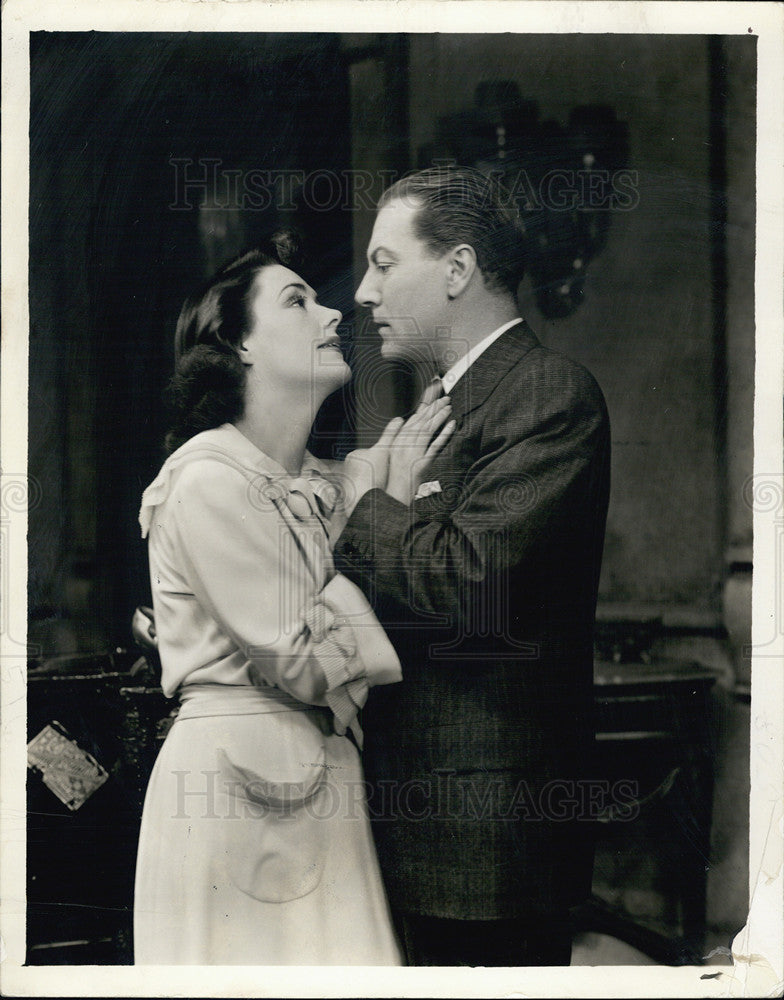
[255,845]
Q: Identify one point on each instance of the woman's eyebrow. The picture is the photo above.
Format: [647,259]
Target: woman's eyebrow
[300,287]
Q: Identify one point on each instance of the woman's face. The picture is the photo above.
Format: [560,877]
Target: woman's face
[293,340]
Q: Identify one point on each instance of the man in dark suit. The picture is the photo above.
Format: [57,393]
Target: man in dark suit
[486,583]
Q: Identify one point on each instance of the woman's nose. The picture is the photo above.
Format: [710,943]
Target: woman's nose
[334,316]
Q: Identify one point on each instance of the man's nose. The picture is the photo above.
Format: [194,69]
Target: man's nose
[367,294]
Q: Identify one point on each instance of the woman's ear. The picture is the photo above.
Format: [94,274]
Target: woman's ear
[461,265]
[244,355]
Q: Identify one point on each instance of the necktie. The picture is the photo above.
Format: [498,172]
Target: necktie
[433,391]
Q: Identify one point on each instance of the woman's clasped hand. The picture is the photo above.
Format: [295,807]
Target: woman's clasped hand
[400,460]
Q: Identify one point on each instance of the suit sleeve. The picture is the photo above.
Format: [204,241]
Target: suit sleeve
[322,647]
[540,456]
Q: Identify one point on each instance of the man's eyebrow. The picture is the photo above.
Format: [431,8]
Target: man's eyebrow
[381,252]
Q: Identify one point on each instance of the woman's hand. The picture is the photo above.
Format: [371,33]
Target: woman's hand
[363,469]
[414,446]
[398,462]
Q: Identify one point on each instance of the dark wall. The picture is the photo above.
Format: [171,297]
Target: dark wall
[137,144]
[647,327]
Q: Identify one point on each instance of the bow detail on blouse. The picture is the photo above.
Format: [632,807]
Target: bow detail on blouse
[305,495]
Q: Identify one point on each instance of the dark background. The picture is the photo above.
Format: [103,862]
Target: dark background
[665,321]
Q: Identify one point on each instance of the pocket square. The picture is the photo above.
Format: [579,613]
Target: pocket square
[427,488]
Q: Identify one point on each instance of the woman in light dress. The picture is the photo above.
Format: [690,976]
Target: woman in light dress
[255,846]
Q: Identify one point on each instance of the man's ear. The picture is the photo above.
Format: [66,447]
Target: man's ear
[461,265]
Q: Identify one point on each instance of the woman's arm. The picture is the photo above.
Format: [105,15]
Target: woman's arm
[246,571]
[397,463]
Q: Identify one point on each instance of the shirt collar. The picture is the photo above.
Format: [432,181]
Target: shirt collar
[461,366]
[230,444]
[234,441]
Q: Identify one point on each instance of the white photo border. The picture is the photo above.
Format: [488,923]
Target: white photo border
[759,949]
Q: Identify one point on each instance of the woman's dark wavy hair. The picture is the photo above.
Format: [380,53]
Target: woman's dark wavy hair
[208,386]
[462,205]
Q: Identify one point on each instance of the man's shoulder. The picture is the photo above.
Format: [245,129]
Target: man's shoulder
[550,359]
[545,375]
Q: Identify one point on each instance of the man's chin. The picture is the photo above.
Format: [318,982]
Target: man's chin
[389,350]
[403,352]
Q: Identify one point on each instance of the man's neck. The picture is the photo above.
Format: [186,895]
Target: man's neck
[470,326]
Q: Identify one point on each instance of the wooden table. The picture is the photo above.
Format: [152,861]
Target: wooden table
[653,727]
[652,723]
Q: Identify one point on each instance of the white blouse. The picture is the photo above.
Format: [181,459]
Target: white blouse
[243,583]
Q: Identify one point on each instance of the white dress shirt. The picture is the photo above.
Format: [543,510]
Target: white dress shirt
[460,367]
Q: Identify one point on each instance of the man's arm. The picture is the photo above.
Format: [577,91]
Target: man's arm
[543,454]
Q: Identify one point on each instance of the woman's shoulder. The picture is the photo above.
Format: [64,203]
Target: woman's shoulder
[205,474]
[224,443]
[205,471]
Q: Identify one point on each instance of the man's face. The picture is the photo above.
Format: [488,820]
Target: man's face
[405,287]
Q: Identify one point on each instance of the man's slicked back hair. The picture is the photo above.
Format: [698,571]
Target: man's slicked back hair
[462,205]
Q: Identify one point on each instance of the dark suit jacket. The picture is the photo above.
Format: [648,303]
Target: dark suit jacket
[478,760]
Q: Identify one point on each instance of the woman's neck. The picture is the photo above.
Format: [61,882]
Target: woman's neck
[279,425]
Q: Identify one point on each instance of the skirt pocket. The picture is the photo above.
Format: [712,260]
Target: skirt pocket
[276,832]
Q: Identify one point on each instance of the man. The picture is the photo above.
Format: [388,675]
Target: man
[487,586]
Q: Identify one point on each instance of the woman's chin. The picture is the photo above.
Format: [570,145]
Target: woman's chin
[333,372]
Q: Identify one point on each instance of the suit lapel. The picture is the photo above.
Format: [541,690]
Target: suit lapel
[490,367]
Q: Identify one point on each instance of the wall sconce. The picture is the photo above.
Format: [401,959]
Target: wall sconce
[565,180]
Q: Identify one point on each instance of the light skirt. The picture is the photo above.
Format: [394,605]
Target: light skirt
[255,846]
